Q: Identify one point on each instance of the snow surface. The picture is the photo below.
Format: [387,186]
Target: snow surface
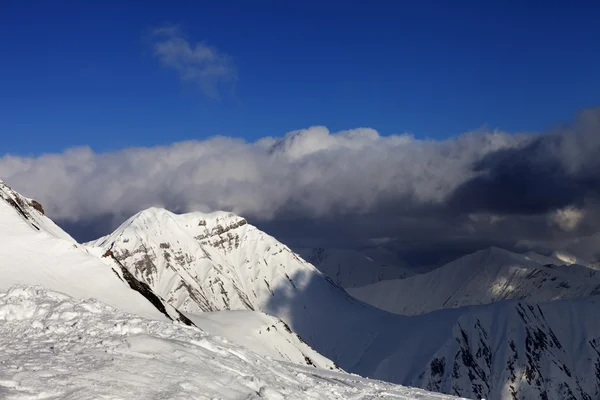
[484,277]
[35,251]
[55,347]
[263,334]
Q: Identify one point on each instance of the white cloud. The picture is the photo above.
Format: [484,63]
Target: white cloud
[309,172]
[198,63]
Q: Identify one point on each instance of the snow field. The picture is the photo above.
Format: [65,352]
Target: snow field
[55,347]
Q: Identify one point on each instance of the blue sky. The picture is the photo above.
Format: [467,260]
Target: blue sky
[87,73]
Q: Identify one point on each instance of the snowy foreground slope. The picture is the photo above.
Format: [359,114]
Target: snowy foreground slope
[484,277]
[504,350]
[353,268]
[55,347]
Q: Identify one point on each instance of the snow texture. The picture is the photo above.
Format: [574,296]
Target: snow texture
[263,334]
[55,347]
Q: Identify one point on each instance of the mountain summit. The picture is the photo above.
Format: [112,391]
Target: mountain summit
[207,262]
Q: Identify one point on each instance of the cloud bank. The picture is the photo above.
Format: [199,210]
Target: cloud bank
[351,188]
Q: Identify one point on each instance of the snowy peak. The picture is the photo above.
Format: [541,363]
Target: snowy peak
[35,251]
[31,212]
[484,277]
[205,262]
[215,229]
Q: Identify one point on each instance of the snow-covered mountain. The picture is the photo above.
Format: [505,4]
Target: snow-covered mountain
[511,350]
[484,277]
[35,251]
[502,350]
[206,262]
[76,324]
[211,262]
[354,268]
[56,347]
[227,263]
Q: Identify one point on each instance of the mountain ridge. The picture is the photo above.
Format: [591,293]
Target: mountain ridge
[483,277]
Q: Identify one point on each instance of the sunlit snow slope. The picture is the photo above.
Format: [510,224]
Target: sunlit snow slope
[484,277]
[55,347]
[35,251]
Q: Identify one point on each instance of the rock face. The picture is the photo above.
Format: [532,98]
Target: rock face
[520,351]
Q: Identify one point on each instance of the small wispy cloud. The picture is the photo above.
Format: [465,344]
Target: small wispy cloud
[197,63]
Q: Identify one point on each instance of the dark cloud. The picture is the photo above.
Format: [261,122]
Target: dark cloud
[553,171]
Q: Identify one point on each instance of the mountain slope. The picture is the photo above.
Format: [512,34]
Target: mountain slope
[506,350]
[483,277]
[211,262]
[233,265]
[56,347]
[353,268]
[197,262]
[35,251]
[263,334]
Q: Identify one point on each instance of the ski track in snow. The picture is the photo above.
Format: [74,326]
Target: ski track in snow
[55,347]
